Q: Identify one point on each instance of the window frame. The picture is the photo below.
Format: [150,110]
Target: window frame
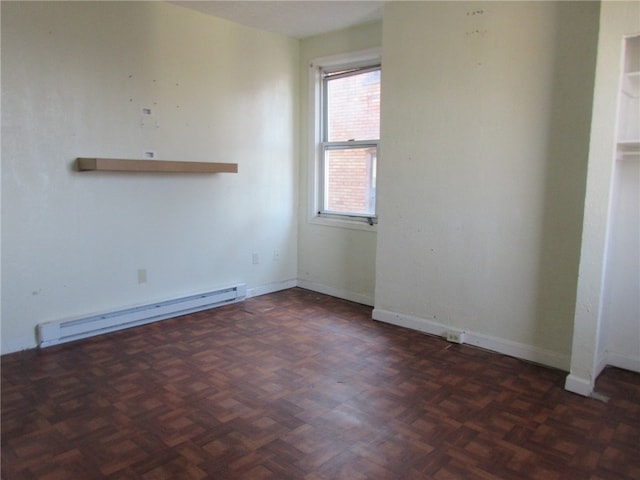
[317,144]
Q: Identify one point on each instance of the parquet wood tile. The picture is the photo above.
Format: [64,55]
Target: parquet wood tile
[298,385]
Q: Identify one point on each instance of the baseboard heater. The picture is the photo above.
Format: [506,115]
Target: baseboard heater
[53,333]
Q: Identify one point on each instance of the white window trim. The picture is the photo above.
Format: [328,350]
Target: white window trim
[315,139]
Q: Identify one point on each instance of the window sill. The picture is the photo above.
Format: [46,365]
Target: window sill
[343,223]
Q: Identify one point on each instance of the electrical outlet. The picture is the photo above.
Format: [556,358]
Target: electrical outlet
[255,258]
[454,336]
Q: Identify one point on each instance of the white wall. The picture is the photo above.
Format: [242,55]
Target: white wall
[621,290]
[598,327]
[485,132]
[333,260]
[74,79]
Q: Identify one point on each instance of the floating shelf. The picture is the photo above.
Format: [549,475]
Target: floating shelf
[125,165]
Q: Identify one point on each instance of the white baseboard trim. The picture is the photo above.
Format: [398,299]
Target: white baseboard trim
[271,288]
[336,292]
[578,385]
[601,362]
[495,344]
[626,363]
[410,321]
[584,387]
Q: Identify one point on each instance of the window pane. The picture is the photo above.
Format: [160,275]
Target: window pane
[353,107]
[350,180]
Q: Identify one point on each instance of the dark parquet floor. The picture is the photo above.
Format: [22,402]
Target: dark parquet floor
[297,385]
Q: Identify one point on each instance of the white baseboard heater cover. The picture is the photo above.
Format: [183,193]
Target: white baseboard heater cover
[53,333]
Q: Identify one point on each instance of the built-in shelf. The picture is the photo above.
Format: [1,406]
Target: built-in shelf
[628,132]
[126,165]
[631,85]
[628,149]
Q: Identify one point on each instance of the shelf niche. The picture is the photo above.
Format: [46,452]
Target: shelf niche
[628,133]
[162,166]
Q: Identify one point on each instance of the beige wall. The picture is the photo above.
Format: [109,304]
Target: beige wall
[334,260]
[485,133]
[486,114]
[75,77]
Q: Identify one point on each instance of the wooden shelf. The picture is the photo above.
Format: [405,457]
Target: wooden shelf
[164,166]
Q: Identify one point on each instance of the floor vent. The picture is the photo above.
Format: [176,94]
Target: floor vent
[53,333]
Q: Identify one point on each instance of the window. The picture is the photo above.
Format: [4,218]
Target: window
[346,136]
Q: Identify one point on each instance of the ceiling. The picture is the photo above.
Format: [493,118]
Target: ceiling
[294,18]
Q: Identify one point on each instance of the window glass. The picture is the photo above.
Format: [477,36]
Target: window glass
[350,176]
[353,107]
